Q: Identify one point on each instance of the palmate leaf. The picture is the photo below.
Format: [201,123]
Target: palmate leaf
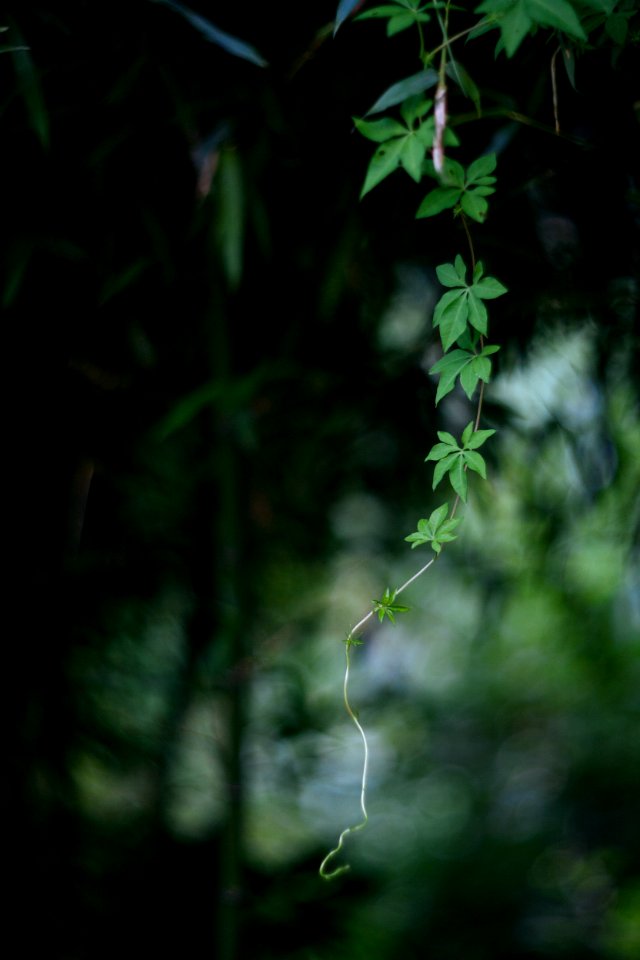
[436,530]
[386,607]
[468,366]
[455,460]
[463,190]
[401,145]
[517,18]
[400,15]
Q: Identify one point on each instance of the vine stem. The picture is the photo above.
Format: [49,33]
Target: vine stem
[456,36]
[331,874]
[325,873]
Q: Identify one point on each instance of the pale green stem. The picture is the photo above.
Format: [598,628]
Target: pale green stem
[332,874]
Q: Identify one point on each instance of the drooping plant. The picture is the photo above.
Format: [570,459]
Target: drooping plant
[415,135]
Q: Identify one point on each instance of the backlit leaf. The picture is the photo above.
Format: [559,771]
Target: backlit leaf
[400,91]
[233,45]
[344,11]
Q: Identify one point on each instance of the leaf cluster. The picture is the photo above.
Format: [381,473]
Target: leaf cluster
[386,607]
[436,530]
[457,460]
[401,144]
[460,189]
[516,19]
[400,15]
[464,303]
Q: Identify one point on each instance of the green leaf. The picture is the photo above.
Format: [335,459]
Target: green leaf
[31,90]
[482,366]
[481,167]
[469,380]
[229,225]
[380,130]
[458,478]
[442,198]
[439,515]
[233,45]
[475,462]
[400,91]
[617,28]
[445,301]
[378,13]
[439,451]
[449,367]
[443,467]
[385,160]
[556,13]
[453,321]
[345,9]
[437,530]
[445,531]
[447,438]
[456,72]
[452,174]
[427,134]
[477,312]
[513,20]
[474,205]
[401,22]
[411,157]
[489,288]
[488,349]
[460,268]
[478,438]
[449,276]
[467,433]
[414,108]
[386,607]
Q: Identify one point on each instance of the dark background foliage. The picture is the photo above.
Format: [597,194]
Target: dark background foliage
[193,296]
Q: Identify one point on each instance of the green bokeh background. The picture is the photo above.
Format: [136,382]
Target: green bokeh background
[223,408]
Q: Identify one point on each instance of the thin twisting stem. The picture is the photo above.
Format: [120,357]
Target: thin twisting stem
[331,874]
